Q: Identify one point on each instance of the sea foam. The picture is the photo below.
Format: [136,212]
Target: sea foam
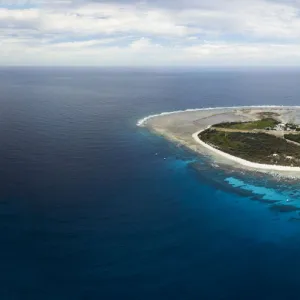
[142,122]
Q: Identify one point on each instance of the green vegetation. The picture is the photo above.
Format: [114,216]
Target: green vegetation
[256,147]
[268,114]
[259,124]
[293,137]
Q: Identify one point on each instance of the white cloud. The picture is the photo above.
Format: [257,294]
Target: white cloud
[238,53]
[123,33]
[110,19]
[144,44]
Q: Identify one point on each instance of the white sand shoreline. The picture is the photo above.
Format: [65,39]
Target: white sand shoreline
[243,161]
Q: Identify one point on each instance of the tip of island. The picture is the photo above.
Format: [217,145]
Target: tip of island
[261,138]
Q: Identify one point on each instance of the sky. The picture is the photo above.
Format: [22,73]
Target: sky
[150,33]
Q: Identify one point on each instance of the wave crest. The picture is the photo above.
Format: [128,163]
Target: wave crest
[142,122]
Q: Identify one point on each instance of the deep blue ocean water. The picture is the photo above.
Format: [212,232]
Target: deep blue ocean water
[88,211]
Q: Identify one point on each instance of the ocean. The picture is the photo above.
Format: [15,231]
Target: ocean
[94,207]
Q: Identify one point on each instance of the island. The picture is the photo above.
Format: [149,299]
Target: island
[262,138]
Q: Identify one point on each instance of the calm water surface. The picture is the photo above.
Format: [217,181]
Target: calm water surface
[88,211]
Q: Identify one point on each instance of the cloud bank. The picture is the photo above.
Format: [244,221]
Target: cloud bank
[150,33]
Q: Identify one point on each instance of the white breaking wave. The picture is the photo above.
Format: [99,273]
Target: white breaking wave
[144,120]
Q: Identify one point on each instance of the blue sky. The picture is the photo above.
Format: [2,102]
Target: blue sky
[150,33]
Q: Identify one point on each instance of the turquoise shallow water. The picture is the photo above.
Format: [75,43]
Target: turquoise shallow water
[274,198]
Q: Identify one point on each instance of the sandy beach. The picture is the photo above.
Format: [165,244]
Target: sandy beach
[183,127]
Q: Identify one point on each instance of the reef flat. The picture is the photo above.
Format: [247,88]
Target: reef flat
[185,128]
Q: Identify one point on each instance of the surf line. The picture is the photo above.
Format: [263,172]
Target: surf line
[143,121]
